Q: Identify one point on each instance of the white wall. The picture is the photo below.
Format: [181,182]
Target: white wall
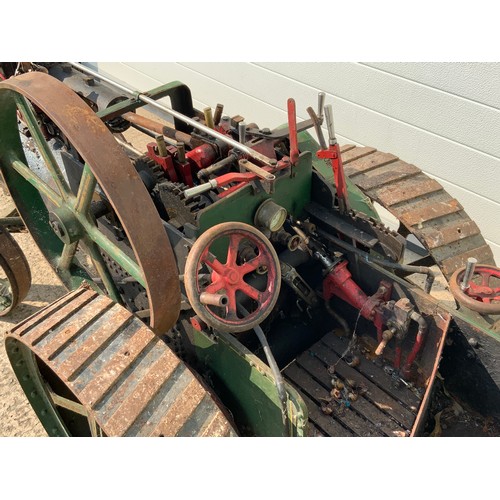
[442,117]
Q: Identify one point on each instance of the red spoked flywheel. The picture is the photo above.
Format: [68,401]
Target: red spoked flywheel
[483,292]
[232,277]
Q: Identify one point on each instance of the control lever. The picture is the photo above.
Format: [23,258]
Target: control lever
[292,127]
[333,154]
[317,127]
[321,105]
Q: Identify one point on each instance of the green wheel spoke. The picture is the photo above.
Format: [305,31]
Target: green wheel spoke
[85,191]
[51,163]
[67,256]
[22,169]
[116,253]
[103,271]
[67,403]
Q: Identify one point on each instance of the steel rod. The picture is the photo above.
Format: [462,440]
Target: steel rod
[197,125]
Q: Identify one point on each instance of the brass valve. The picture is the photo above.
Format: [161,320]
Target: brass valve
[386,337]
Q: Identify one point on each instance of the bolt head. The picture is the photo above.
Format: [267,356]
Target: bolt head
[473,342]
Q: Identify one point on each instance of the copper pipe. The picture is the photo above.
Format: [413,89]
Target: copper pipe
[159,128]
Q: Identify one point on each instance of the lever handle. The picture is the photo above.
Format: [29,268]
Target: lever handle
[329,124]
[321,105]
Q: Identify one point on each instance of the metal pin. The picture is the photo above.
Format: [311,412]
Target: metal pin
[181,152]
[469,271]
[218,113]
[242,129]
[162,147]
[213,299]
[209,120]
[321,105]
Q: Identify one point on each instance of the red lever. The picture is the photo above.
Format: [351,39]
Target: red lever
[333,154]
[292,127]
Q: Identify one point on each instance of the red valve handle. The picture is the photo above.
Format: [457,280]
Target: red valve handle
[482,297]
[231,278]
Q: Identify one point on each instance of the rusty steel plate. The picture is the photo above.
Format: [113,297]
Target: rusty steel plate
[121,184]
[16,286]
[100,361]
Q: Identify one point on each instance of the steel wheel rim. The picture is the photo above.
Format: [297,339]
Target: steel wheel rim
[40,395]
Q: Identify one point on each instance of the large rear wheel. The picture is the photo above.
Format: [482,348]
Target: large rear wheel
[60,219]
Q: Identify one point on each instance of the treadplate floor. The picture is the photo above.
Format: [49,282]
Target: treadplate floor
[367,401]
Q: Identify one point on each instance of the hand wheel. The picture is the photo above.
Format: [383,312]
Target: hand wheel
[481,295]
[238,294]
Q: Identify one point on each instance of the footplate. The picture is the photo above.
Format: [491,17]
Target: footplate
[425,209]
[97,359]
[368,402]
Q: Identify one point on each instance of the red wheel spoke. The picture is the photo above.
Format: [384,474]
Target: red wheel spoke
[215,286]
[486,299]
[231,304]
[232,251]
[249,290]
[486,279]
[253,264]
[214,264]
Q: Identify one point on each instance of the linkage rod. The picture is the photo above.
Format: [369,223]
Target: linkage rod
[147,100]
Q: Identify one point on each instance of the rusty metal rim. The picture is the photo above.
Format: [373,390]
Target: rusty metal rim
[121,184]
[16,268]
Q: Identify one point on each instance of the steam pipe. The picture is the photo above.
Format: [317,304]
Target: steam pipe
[338,318]
[419,340]
[278,378]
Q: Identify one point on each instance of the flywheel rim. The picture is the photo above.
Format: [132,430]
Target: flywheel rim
[108,166]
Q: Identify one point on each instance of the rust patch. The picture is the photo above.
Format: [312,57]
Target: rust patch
[406,190]
[355,153]
[135,403]
[446,235]
[370,162]
[119,317]
[180,411]
[385,175]
[483,254]
[430,212]
[114,369]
